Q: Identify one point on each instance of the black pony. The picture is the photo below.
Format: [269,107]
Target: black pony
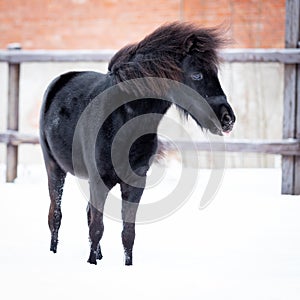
[178,52]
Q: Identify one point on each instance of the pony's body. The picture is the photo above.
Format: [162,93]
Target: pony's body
[62,107]
[177,52]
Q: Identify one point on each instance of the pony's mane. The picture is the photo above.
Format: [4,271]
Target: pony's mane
[160,53]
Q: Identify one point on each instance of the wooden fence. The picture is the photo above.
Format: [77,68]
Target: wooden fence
[288,147]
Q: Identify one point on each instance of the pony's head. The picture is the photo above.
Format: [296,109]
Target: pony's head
[184,53]
[200,72]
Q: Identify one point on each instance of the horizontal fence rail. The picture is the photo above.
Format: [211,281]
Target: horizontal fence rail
[286,56]
[15,138]
[22,56]
[280,147]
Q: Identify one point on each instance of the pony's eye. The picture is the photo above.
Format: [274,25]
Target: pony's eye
[197,76]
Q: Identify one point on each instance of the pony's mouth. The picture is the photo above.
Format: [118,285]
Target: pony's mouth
[227,132]
[222,132]
[225,129]
[215,130]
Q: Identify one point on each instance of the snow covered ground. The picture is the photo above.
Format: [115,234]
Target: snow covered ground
[244,245]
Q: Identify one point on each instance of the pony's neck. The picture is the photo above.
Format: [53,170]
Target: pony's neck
[149,106]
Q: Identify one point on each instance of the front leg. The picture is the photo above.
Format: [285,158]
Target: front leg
[128,236]
[96,229]
[98,196]
[130,200]
[99,255]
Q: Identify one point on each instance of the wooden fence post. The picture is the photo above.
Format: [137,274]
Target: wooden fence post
[12,114]
[291,117]
[297,158]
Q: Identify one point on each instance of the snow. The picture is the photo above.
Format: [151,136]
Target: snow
[244,245]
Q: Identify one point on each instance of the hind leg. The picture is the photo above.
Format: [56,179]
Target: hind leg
[56,180]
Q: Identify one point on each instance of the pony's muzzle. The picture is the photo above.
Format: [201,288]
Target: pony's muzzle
[223,111]
[227,118]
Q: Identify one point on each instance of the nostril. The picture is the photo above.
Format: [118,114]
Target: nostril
[226,118]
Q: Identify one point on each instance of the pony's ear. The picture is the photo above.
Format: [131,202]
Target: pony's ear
[190,43]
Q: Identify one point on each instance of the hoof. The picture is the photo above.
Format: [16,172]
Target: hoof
[92,261]
[128,259]
[128,263]
[93,258]
[53,246]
